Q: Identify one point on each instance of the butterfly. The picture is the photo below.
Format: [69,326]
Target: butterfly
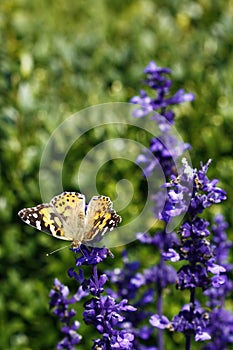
[67,217]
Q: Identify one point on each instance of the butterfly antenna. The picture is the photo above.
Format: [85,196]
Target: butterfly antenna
[57,250]
[82,252]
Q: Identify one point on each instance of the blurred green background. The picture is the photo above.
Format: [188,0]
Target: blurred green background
[58,57]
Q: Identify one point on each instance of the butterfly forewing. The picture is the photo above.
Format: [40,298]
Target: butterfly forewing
[43,218]
[100,218]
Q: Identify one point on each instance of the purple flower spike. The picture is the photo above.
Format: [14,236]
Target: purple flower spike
[106,315]
[192,320]
[189,194]
[157,80]
[60,304]
[221,320]
[221,330]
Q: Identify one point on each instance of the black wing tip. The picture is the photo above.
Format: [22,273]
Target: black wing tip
[20,213]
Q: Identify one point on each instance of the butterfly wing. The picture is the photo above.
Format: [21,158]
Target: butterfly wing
[62,218]
[70,206]
[100,219]
[43,218]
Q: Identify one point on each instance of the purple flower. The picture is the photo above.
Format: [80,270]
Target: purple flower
[91,256]
[196,228]
[192,277]
[96,285]
[72,337]
[161,322]
[171,255]
[206,193]
[102,309]
[221,285]
[221,243]
[129,281]
[221,320]
[60,304]
[163,153]
[221,329]
[122,340]
[194,247]
[190,320]
[157,80]
[102,312]
[105,314]
[145,102]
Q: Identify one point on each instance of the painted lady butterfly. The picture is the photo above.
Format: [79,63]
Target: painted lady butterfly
[67,217]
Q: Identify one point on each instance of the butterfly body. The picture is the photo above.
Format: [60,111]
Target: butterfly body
[66,217]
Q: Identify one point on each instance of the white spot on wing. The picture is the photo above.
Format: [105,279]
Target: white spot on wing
[38,225]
